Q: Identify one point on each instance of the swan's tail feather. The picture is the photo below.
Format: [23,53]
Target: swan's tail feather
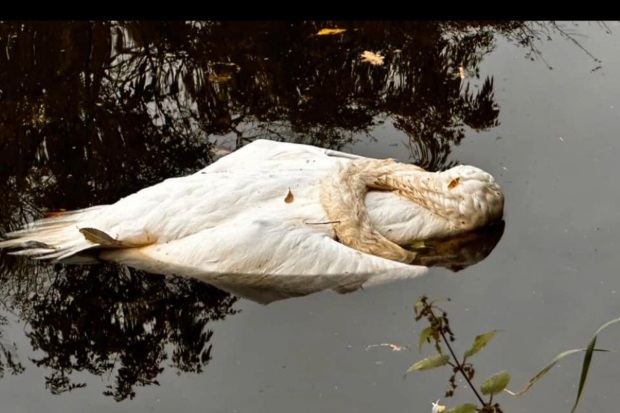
[57,236]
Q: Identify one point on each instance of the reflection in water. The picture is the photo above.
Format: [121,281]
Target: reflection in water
[93,111]
[114,322]
[455,253]
[120,323]
[460,252]
[8,359]
[83,324]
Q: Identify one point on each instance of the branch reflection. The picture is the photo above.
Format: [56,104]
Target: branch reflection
[114,322]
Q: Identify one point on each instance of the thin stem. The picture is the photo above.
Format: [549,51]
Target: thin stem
[459,366]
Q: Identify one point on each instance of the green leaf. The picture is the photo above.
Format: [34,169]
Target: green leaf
[496,383]
[587,358]
[544,371]
[463,408]
[479,342]
[425,335]
[429,363]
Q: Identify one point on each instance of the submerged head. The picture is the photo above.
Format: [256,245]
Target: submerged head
[475,192]
[430,205]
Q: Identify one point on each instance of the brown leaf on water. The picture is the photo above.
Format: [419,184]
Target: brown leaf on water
[220,78]
[289,197]
[373,58]
[327,32]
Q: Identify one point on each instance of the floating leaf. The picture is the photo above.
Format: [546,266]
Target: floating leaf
[327,32]
[429,363]
[372,58]
[289,197]
[544,371]
[463,408]
[479,342]
[496,383]
[425,335]
[220,78]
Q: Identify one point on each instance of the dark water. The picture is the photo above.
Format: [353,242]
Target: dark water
[91,112]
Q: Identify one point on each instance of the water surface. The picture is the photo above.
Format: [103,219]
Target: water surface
[91,112]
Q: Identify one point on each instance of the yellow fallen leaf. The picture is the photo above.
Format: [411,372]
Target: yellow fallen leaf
[372,58]
[462,72]
[326,32]
[221,78]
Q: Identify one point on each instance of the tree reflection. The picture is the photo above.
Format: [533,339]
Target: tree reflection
[98,321]
[109,101]
[8,358]
[93,111]
[117,323]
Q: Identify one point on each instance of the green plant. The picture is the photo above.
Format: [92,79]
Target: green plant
[441,336]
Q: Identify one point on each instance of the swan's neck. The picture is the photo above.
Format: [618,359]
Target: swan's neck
[343,196]
[426,189]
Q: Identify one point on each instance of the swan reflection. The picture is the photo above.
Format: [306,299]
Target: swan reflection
[455,253]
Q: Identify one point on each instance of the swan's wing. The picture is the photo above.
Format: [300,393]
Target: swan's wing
[256,175]
[263,252]
[247,180]
[262,151]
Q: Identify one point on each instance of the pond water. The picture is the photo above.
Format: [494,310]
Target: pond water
[91,112]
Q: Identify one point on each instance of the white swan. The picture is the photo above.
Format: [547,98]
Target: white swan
[275,209]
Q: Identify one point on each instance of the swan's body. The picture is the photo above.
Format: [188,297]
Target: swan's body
[275,208]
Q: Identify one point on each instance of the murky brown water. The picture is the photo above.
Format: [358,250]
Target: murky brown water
[91,112]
